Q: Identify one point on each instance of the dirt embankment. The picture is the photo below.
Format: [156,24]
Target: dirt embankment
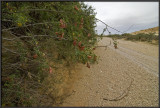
[150,30]
[127,76]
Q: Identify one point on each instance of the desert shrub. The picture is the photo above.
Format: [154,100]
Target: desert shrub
[34,34]
[115,36]
[138,37]
[143,37]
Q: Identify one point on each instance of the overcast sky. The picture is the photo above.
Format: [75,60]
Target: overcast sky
[125,15]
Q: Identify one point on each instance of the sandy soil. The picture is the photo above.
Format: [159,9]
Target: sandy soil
[127,76]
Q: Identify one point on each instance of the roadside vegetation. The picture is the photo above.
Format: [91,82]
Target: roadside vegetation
[151,37]
[41,44]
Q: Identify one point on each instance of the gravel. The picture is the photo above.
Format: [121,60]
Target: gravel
[127,77]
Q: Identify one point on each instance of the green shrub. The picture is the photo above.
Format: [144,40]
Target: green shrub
[34,34]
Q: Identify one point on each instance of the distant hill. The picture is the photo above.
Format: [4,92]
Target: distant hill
[146,31]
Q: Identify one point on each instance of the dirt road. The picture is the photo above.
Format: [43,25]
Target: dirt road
[127,76]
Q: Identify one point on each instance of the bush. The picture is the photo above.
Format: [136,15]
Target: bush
[34,34]
[138,37]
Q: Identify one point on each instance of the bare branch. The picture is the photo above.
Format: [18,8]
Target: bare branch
[35,36]
[124,94]
[47,10]
[28,25]
[108,25]
[10,50]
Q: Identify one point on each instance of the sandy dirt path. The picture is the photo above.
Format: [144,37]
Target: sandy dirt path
[127,76]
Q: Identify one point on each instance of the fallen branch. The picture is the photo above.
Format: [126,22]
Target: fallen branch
[105,46]
[124,94]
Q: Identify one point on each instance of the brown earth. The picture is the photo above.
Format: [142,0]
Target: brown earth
[127,76]
[150,30]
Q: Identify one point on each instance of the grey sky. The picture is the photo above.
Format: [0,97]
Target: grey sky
[122,15]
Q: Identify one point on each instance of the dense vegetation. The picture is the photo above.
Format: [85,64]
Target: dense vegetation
[138,37]
[38,38]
